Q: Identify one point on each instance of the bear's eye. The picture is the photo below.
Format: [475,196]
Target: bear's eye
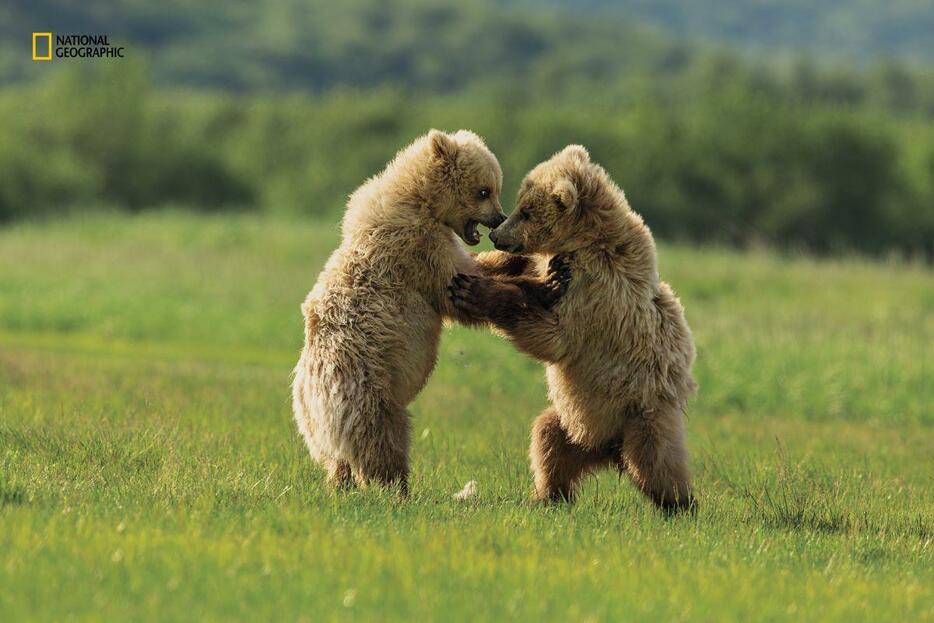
[525,214]
[483,193]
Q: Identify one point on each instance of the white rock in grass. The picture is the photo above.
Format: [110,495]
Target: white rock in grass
[469,491]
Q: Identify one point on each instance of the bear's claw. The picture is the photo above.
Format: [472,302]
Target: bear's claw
[463,296]
[558,279]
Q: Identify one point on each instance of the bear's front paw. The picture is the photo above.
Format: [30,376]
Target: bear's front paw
[465,291]
[557,280]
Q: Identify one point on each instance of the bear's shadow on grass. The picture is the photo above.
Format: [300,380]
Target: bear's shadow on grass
[12,495]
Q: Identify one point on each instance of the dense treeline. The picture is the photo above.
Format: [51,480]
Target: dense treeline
[288,105]
[732,165]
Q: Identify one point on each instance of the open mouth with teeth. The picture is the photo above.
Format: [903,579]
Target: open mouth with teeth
[471,235]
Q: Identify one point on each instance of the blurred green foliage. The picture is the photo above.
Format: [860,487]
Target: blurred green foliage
[443,46]
[732,166]
[288,106]
[841,29]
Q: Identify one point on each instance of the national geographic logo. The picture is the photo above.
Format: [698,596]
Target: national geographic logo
[46,46]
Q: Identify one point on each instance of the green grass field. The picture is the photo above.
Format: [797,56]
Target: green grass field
[150,468]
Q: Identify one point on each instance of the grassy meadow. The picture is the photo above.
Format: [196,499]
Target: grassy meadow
[150,468]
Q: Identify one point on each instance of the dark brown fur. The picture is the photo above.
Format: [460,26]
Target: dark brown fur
[558,463]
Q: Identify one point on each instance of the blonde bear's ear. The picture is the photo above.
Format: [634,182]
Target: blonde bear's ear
[442,145]
[577,152]
[565,195]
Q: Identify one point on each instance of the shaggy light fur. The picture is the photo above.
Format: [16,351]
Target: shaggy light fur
[373,319]
[617,347]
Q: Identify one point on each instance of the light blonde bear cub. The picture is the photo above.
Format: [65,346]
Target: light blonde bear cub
[617,349]
[373,319]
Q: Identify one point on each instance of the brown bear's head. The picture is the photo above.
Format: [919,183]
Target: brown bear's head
[560,207]
[468,183]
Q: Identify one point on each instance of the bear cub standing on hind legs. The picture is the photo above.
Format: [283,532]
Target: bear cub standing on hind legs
[617,349]
[373,319]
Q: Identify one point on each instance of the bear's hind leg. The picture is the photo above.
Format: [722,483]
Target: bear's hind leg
[557,462]
[655,457]
[339,474]
[381,449]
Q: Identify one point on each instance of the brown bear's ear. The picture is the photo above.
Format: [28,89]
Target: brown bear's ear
[442,146]
[565,195]
[577,152]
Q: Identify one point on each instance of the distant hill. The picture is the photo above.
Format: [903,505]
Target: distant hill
[286,105]
[438,46]
[287,44]
[845,30]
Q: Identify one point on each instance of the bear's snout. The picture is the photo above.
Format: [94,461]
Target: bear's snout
[503,243]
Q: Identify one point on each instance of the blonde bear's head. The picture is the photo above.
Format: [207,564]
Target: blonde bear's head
[564,203]
[467,183]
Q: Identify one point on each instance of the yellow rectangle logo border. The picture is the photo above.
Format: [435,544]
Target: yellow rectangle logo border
[35,37]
